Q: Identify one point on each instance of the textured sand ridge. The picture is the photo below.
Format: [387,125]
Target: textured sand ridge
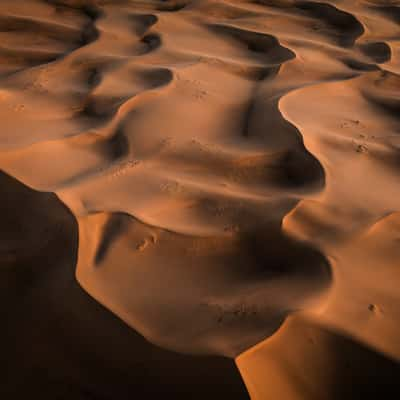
[232,166]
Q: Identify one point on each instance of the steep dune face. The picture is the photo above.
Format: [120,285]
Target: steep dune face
[58,342]
[229,163]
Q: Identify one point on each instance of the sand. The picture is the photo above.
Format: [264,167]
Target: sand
[195,189]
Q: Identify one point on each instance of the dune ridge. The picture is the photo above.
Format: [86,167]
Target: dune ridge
[232,163]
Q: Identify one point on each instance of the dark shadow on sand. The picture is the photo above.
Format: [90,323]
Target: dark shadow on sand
[59,343]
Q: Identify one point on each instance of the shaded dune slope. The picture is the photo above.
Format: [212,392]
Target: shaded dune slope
[57,342]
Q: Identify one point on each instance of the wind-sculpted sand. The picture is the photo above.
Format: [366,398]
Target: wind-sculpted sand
[231,173]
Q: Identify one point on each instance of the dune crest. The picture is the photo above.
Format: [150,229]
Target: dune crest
[232,165]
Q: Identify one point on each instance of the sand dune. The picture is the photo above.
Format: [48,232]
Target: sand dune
[57,342]
[232,169]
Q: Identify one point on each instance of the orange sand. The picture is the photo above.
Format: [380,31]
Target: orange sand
[233,168]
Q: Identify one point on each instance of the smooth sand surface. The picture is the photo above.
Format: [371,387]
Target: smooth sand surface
[230,170]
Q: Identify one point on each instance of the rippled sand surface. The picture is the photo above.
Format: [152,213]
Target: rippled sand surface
[222,176]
